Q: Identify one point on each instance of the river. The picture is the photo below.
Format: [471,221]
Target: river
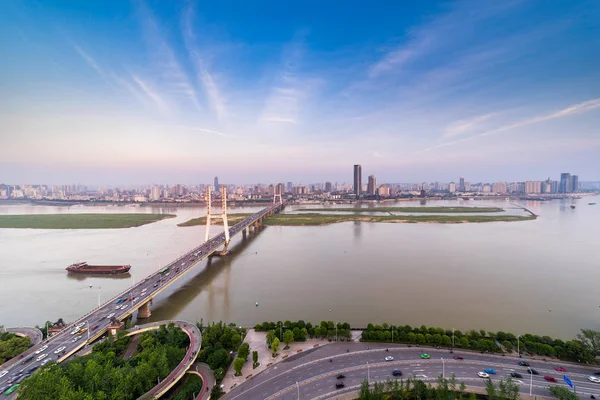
[533,276]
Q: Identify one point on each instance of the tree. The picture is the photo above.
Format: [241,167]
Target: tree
[446,341]
[508,389]
[365,391]
[562,393]
[437,339]
[464,342]
[238,363]
[236,339]
[491,391]
[244,351]
[270,337]
[216,392]
[420,338]
[255,359]
[288,337]
[275,347]
[590,340]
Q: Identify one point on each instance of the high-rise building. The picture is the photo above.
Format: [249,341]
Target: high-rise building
[280,189]
[533,187]
[467,187]
[289,187]
[461,185]
[452,187]
[383,190]
[574,183]
[499,187]
[565,183]
[271,190]
[357,179]
[372,185]
[328,187]
[217,184]
[154,193]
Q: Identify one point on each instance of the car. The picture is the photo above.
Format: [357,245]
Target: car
[532,371]
[490,371]
[458,358]
[425,356]
[109,316]
[27,359]
[516,375]
[3,388]
[389,358]
[61,348]
[117,307]
[11,389]
[560,369]
[483,375]
[76,338]
[41,357]
[523,363]
[32,369]
[339,385]
[46,361]
[340,376]
[81,332]
[3,373]
[594,378]
[550,378]
[397,372]
[21,379]
[38,351]
[124,307]
[95,327]
[597,373]
[155,285]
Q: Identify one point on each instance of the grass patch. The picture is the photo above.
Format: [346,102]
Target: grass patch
[411,209]
[324,219]
[79,221]
[231,219]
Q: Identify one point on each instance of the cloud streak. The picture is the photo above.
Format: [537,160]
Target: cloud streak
[463,126]
[215,97]
[579,108]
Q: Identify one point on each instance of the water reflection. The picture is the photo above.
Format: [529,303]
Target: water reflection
[83,277]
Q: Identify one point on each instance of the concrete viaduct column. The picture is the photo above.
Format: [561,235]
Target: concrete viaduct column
[144,311]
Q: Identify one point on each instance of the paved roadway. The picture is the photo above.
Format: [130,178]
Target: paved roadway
[34,334]
[316,375]
[67,342]
[208,379]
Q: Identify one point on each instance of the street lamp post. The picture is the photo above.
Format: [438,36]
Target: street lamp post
[392,329]
[452,338]
[530,382]
[336,333]
[518,346]
[368,373]
[443,368]
[298,386]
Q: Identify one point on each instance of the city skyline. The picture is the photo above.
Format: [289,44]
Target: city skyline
[129,93]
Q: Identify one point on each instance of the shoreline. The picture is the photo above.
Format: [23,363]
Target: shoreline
[79,221]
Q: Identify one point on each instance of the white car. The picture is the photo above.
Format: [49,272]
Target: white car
[124,307]
[61,348]
[38,351]
[389,358]
[594,378]
[46,361]
[117,307]
[3,373]
[144,289]
[76,338]
[109,316]
[40,358]
[483,374]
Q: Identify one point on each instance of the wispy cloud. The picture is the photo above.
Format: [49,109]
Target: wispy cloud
[283,103]
[174,80]
[93,64]
[215,96]
[151,93]
[194,128]
[579,108]
[466,125]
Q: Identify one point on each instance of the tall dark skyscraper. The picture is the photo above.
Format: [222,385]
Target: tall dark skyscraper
[357,179]
[216,184]
[565,183]
[461,185]
[574,183]
[289,187]
[328,187]
[372,185]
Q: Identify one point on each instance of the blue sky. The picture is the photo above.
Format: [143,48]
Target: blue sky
[132,92]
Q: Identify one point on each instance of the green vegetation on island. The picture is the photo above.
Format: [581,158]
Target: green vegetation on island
[583,349]
[12,345]
[231,220]
[189,386]
[325,219]
[105,374]
[79,221]
[447,210]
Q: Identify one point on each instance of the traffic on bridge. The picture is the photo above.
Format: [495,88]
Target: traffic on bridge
[97,322]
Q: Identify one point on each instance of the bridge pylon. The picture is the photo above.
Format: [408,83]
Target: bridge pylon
[223,215]
[276,196]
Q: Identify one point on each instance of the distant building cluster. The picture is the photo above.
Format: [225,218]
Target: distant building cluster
[327,191]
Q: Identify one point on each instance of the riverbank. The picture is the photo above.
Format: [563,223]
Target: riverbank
[79,221]
[448,210]
[231,219]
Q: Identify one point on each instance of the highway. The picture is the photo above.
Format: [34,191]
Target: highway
[34,334]
[95,323]
[316,375]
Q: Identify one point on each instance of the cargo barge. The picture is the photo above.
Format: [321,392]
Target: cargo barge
[85,268]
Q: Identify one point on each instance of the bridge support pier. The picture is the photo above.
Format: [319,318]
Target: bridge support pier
[244,233]
[144,311]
